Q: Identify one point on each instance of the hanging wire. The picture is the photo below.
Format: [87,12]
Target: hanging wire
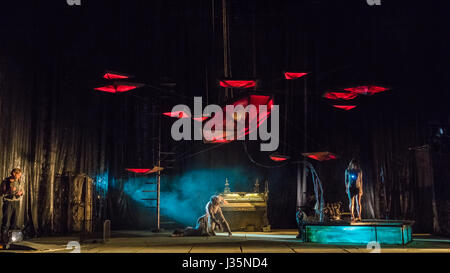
[259,164]
[202,151]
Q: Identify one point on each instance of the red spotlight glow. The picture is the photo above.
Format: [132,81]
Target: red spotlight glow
[345,107]
[294,75]
[238,83]
[367,89]
[340,95]
[321,156]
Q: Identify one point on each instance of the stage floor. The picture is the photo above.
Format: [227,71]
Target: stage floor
[277,241]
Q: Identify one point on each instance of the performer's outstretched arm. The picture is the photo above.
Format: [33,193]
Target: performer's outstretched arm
[224,221]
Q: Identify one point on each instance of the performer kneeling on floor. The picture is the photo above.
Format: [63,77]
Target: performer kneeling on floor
[199,230]
[215,215]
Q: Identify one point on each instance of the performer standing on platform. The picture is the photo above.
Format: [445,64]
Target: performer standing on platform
[354,187]
[215,215]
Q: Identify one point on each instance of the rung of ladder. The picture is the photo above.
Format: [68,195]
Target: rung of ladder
[149,191]
[149,199]
[148,183]
[151,207]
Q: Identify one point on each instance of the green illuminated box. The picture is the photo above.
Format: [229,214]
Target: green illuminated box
[383,232]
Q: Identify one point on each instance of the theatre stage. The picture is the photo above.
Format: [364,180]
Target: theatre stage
[277,241]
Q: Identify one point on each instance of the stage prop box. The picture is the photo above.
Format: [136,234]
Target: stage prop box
[246,211]
[342,232]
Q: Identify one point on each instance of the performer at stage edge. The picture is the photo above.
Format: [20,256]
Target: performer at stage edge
[354,187]
[12,190]
[301,216]
[215,215]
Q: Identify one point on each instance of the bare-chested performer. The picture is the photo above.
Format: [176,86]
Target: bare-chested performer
[215,215]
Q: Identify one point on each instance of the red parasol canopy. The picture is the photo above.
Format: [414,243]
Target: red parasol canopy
[367,89]
[294,75]
[138,170]
[321,156]
[345,107]
[238,83]
[119,87]
[146,171]
[340,95]
[111,75]
[177,114]
[253,99]
[182,114]
[278,157]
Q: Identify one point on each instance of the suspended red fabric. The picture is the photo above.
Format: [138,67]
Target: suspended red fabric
[119,87]
[367,89]
[255,100]
[340,95]
[277,157]
[110,75]
[238,83]
[321,156]
[294,75]
[345,107]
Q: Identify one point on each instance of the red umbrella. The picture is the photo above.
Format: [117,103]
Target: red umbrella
[251,99]
[119,87]
[321,156]
[238,83]
[340,95]
[367,89]
[294,75]
[146,171]
[345,107]
[111,75]
[278,157]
